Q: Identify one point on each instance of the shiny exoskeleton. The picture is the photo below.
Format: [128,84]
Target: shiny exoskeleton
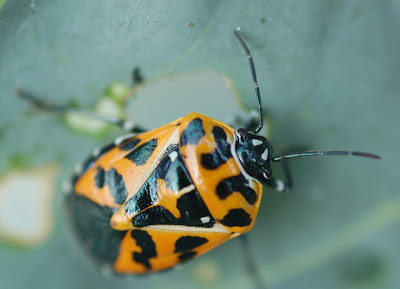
[165,196]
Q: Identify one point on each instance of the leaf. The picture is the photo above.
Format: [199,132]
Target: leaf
[328,73]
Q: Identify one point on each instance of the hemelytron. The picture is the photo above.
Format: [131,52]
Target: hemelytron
[153,199]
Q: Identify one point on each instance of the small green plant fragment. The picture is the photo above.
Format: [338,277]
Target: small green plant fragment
[118,92]
[111,103]
[2,2]
[18,160]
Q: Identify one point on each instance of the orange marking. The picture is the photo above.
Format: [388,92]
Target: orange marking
[206,181]
[132,174]
[165,247]
[167,198]
[85,186]
[125,262]
[135,176]
[163,135]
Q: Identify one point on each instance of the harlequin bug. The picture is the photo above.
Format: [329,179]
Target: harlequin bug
[151,200]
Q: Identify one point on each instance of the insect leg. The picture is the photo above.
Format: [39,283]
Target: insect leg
[252,121]
[40,104]
[280,185]
[248,121]
[250,264]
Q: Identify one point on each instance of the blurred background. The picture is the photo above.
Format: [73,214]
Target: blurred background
[329,76]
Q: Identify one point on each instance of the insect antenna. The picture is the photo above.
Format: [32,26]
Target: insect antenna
[326,153]
[254,75]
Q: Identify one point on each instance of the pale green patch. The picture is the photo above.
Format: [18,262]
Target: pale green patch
[207,272]
[2,3]
[118,92]
[27,205]
[110,104]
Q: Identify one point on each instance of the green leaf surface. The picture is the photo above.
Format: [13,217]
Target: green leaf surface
[329,76]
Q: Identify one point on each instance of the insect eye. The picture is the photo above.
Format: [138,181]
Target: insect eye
[240,135]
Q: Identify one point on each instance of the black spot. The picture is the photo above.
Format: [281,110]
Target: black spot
[169,150]
[117,186]
[211,161]
[187,243]
[186,256]
[156,215]
[144,240]
[137,76]
[145,197]
[74,179]
[193,132]
[236,218]
[99,179]
[141,154]
[176,176]
[105,149]
[236,184]
[126,146]
[91,225]
[190,206]
[222,152]
[88,163]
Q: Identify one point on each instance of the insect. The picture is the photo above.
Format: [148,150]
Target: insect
[153,199]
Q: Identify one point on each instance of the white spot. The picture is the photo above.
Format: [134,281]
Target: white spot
[205,219]
[123,138]
[264,155]
[78,168]
[173,156]
[66,187]
[96,152]
[280,186]
[128,125]
[106,270]
[187,189]
[254,114]
[238,28]
[256,142]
